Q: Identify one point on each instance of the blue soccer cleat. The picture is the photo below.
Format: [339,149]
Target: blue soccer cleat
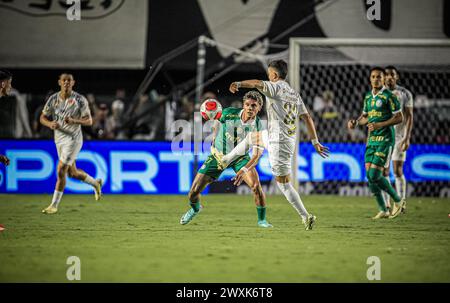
[264,224]
[189,215]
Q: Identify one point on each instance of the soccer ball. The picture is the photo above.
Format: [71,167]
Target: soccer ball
[211,109]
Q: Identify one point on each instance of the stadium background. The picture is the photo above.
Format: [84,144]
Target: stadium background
[131,37]
[142,55]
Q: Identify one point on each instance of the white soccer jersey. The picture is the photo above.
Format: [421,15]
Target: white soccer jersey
[76,106]
[283,106]
[406,100]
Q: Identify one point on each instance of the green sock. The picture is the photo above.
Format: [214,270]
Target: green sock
[261,210]
[376,177]
[380,201]
[195,206]
[385,185]
[378,196]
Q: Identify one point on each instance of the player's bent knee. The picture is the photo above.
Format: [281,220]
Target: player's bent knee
[374,174]
[62,171]
[256,188]
[193,194]
[282,179]
[72,173]
[374,189]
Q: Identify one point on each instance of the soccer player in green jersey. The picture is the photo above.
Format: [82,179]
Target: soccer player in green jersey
[380,113]
[232,127]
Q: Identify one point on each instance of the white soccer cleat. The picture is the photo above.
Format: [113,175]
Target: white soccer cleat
[50,210]
[404,208]
[381,215]
[397,209]
[98,189]
[309,222]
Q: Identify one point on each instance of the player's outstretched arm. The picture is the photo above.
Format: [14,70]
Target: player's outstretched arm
[323,151]
[234,87]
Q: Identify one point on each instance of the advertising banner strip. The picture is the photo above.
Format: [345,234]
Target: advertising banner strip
[130,167]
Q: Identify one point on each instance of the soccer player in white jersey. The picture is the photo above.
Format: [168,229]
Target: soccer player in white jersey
[65,112]
[402,132]
[283,105]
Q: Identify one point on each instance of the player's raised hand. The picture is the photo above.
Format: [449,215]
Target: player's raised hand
[54,125]
[323,151]
[4,160]
[234,87]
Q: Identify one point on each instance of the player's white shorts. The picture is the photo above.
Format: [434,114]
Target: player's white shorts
[397,154]
[280,157]
[68,150]
[280,154]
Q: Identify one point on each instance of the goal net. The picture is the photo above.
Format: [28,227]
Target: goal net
[332,76]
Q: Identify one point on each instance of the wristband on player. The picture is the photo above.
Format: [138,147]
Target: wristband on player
[356,123]
[238,84]
[244,169]
[315,141]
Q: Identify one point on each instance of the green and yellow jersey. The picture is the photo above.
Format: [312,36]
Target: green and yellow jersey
[233,130]
[379,108]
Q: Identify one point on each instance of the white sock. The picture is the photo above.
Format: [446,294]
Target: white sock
[386,199]
[238,151]
[400,186]
[90,180]
[57,195]
[294,198]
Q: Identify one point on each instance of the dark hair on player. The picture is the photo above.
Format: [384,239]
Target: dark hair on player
[253,94]
[281,67]
[5,75]
[377,68]
[392,67]
[66,73]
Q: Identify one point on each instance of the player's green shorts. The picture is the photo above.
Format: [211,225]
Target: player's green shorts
[380,155]
[210,168]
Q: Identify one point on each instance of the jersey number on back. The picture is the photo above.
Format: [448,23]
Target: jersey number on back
[291,114]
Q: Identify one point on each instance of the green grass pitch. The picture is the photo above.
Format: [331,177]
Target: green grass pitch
[126,238]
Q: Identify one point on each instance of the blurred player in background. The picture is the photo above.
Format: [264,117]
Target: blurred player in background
[232,127]
[402,132]
[5,83]
[4,160]
[381,111]
[283,105]
[68,111]
[5,88]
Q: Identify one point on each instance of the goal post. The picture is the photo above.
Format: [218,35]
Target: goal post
[428,56]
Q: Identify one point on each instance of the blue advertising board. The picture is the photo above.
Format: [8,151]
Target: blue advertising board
[131,167]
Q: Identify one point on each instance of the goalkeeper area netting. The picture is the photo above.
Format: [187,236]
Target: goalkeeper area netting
[332,76]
